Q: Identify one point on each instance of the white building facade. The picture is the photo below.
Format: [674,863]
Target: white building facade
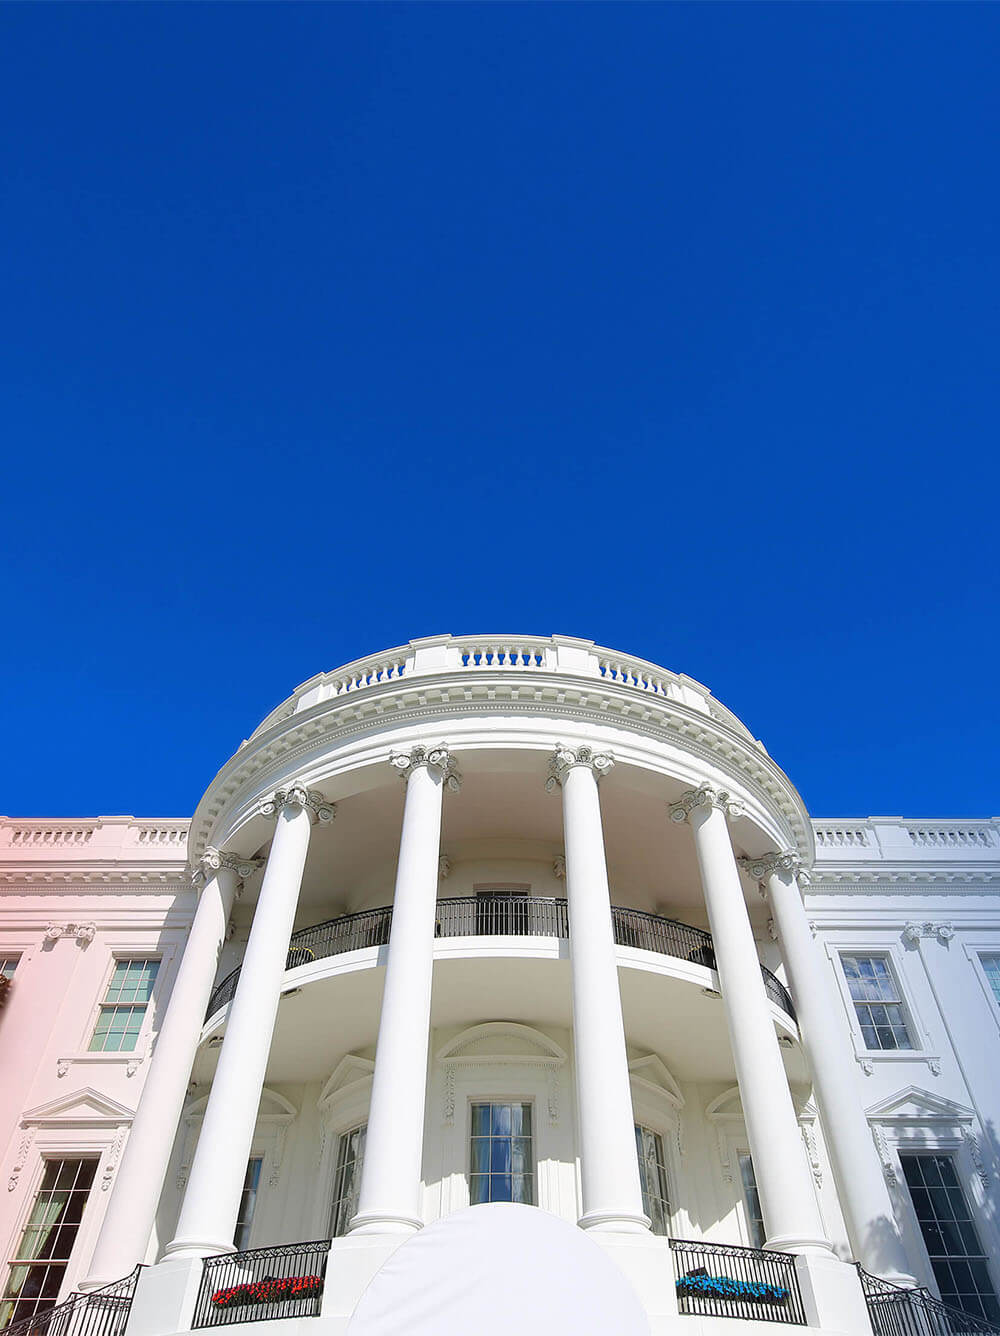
[518,924]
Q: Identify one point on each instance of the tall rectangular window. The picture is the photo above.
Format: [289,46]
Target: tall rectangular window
[876,1001]
[124,1007]
[501,1166]
[950,1235]
[347,1181]
[751,1199]
[990,961]
[248,1204]
[653,1176]
[39,1263]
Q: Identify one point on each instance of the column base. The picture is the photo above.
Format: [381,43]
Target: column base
[800,1243]
[384,1222]
[196,1248]
[615,1222]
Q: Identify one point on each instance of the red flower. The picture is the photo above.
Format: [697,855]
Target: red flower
[269,1290]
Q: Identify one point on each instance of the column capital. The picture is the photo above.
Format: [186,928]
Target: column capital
[297,795]
[436,758]
[704,796]
[565,758]
[213,860]
[762,867]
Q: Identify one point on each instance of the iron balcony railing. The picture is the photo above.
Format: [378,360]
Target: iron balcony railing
[503,916]
[102,1312]
[895,1311]
[723,1280]
[264,1283]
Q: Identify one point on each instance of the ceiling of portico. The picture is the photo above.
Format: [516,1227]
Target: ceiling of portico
[504,815]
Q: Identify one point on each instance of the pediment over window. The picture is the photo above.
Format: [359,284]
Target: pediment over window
[502,1041]
[914,1105]
[346,1078]
[652,1073]
[80,1108]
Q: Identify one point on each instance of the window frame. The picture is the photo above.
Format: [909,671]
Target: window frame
[260,1157]
[118,957]
[836,949]
[898,1001]
[352,1125]
[502,1099]
[974,1205]
[974,951]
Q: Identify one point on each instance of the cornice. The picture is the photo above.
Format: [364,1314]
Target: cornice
[340,720]
[111,878]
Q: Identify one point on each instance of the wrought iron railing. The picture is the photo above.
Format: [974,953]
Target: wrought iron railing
[102,1312]
[503,916]
[283,1281]
[724,1280]
[895,1311]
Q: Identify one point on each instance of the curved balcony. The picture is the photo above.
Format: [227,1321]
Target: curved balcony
[502,916]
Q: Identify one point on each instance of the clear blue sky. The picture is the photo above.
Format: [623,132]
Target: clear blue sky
[326,327]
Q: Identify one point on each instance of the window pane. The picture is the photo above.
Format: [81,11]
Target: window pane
[248,1204]
[347,1179]
[653,1178]
[950,1237]
[500,1154]
[991,968]
[876,1002]
[755,1216]
[47,1240]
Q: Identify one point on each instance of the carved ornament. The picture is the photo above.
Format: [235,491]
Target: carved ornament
[565,758]
[297,795]
[437,758]
[705,796]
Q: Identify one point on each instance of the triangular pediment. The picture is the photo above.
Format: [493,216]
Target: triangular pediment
[499,1041]
[84,1107]
[652,1071]
[914,1104]
[349,1071]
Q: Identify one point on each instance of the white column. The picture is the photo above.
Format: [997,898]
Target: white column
[784,1181]
[864,1197]
[609,1165]
[128,1221]
[389,1201]
[211,1201]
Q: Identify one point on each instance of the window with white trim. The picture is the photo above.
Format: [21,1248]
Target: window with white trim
[123,1010]
[877,1003]
[653,1177]
[8,964]
[751,1201]
[38,1266]
[248,1204]
[501,1163]
[990,961]
[347,1181]
[953,1245]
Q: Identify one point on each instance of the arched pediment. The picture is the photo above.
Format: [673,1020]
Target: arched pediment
[346,1078]
[274,1116]
[652,1073]
[502,1041]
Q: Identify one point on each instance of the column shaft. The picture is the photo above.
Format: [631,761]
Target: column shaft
[389,1200]
[864,1197]
[609,1166]
[211,1202]
[788,1201]
[128,1221]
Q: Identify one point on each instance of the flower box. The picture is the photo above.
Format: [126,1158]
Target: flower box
[724,1287]
[289,1289]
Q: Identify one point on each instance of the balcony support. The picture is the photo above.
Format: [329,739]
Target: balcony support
[389,1201]
[864,1196]
[211,1202]
[791,1212]
[128,1222]
[609,1167]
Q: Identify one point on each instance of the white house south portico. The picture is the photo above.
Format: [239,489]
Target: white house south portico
[491,920]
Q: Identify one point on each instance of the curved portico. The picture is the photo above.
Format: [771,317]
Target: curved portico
[684,791]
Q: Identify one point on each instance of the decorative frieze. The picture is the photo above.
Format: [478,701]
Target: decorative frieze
[565,758]
[913,932]
[297,795]
[704,796]
[438,758]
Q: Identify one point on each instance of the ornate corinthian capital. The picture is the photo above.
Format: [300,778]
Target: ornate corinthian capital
[705,796]
[212,860]
[438,758]
[761,868]
[565,758]
[297,795]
